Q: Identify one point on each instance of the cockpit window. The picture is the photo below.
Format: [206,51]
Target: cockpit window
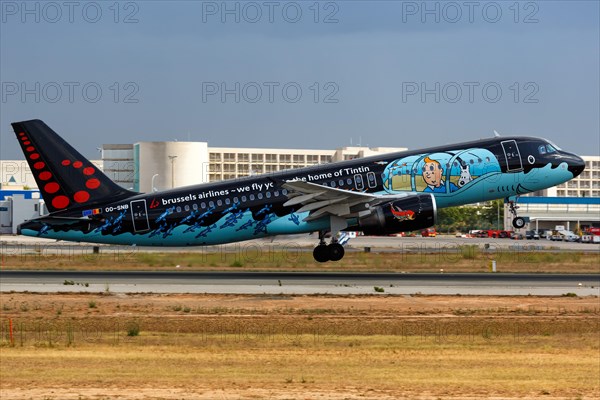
[550,148]
[554,146]
[542,149]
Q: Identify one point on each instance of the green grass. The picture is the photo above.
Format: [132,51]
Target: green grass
[467,258]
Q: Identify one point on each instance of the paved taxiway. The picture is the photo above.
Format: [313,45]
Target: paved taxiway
[300,283]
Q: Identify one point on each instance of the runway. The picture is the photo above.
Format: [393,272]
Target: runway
[496,284]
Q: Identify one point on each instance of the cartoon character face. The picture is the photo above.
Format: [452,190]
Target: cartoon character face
[465,176]
[432,172]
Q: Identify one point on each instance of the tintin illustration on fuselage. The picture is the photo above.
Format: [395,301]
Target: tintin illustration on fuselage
[440,173]
[432,175]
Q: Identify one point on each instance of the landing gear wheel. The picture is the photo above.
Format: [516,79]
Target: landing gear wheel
[518,222]
[321,253]
[336,251]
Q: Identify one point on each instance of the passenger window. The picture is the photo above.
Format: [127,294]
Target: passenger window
[186,208]
[341,182]
[178,209]
[244,199]
[284,192]
[203,205]
[358,182]
[550,148]
[195,206]
[260,196]
[219,202]
[211,204]
[371,179]
[332,183]
[542,149]
[227,201]
[252,197]
[349,181]
[276,193]
[236,200]
[268,194]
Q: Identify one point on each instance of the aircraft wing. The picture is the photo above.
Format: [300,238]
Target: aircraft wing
[321,201]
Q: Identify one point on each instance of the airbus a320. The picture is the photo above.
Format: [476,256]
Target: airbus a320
[377,195]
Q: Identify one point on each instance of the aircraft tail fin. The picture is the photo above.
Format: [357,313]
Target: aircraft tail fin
[65,178]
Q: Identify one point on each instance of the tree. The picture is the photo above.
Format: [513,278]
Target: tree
[466,218]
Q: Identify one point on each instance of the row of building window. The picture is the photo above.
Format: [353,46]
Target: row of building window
[592,165]
[574,184]
[578,193]
[270,158]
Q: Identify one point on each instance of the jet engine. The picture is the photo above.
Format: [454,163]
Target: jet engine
[407,214]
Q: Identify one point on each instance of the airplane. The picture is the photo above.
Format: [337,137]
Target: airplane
[377,195]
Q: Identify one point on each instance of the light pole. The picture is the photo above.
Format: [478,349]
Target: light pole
[172,158]
[153,187]
[498,220]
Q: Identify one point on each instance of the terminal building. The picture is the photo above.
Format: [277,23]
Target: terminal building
[148,166]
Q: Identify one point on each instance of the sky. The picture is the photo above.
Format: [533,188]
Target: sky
[301,74]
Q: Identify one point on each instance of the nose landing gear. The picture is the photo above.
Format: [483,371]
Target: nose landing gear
[517,222]
[324,252]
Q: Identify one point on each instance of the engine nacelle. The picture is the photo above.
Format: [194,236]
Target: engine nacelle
[408,214]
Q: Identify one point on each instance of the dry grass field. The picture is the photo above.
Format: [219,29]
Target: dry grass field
[108,346]
[467,258]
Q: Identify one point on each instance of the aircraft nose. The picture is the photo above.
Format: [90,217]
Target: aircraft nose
[576,165]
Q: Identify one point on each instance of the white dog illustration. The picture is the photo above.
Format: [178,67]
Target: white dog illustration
[465,176]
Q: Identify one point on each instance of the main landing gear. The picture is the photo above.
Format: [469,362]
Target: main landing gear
[517,222]
[328,252]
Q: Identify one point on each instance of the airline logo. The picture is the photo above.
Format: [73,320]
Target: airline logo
[402,215]
[154,203]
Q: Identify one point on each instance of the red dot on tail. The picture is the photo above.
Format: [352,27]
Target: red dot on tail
[30,148]
[51,187]
[77,164]
[45,175]
[88,171]
[21,133]
[92,183]
[34,156]
[23,138]
[27,143]
[81,197]
[39,165]
[66,162]
[60,201]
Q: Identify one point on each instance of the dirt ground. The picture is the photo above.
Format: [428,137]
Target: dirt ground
[234,347]
[77,305]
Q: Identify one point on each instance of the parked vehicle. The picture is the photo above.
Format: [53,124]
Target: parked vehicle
[499,234]
[429,232]
[591,235]
[532,235]
[564,235]
[516,236]
[590,239]
[545,233]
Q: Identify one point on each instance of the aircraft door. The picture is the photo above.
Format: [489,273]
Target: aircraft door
[371,180]
[358,182]
[139,216]
[513,157]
